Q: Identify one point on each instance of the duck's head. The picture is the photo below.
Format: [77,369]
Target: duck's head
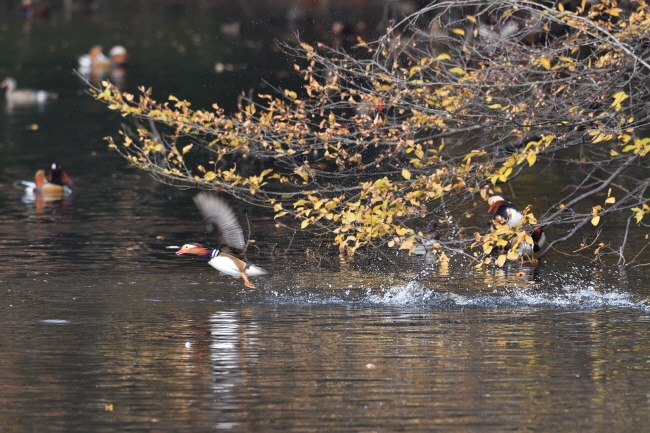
[193,248]
[58,177]
[8,83]
[495,202]
[118,55]
[96,52]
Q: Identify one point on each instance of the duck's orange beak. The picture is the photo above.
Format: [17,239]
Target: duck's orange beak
[491,209]
[179,252]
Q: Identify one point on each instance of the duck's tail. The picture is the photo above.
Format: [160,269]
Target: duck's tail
[255,271]
[26,183]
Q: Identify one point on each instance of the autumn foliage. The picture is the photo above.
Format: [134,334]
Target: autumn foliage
[451,104]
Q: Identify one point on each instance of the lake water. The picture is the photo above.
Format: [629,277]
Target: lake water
[104,329]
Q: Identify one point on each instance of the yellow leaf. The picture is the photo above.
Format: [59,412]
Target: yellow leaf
[300,202]
[458,71]
[406,174]
[638,216]
[531,158]
[618,98]
[595,220]
[406,245]
[512,255]
[613,153]
[458,31]
[546,63]
[304,224]
[614,11]
[487,248]
[209,175]
[187,148]
[610,200]
[307,47]
[443,56]
[402,231]
[629,147]
[501,260]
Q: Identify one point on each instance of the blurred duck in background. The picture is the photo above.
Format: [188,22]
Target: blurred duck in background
[95,66]
[95,59]
[118,56]
[15,96]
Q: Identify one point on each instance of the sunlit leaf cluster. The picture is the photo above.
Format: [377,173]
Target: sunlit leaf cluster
[448,106]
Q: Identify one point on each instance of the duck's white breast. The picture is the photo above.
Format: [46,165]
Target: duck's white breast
[225,265]
[514,217]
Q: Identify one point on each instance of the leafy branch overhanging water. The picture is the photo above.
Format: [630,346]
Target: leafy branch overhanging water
[453,102]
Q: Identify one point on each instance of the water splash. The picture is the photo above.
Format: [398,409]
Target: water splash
[567,297]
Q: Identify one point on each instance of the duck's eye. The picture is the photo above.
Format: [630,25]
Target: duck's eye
[188,247]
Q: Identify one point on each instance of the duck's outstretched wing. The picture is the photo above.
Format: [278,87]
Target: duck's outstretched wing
[222,221]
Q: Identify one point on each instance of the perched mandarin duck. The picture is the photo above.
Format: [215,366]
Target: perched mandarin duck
[24,96]
[229,257]
[506,213]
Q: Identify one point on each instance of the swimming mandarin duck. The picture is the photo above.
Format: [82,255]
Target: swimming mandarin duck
[96,59]
[24,96]
[118,55]
[506,213]
[55,185]
[229,256]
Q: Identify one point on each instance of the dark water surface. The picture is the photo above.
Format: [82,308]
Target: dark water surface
[103,329]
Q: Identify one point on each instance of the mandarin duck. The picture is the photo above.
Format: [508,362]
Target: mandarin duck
[506,213]
[55,185]
[94,59]
[118,55]
[229,256]
[427,242]
[24,96]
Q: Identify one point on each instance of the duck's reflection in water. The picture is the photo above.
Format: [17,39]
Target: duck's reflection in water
[231,350]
